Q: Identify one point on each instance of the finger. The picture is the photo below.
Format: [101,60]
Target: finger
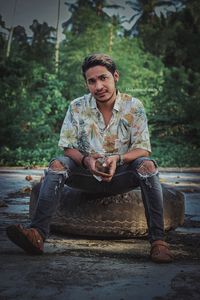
[96,155]
[107,179]
[101,174]
[112,169]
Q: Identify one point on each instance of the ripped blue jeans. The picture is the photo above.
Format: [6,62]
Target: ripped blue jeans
[127,177]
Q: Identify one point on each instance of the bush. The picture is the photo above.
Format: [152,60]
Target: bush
[172,154]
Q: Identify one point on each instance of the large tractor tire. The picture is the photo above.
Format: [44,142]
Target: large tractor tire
[119,216]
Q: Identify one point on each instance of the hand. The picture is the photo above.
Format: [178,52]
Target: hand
[91,160]
[110,163]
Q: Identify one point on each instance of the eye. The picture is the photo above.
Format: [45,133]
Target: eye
[103,77]
[91,81]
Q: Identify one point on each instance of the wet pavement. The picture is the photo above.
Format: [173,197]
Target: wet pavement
[79,268]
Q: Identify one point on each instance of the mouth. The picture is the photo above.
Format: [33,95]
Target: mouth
[102,94]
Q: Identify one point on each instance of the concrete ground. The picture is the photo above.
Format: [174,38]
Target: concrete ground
[75,267]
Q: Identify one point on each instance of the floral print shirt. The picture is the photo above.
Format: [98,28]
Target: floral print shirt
[84,128]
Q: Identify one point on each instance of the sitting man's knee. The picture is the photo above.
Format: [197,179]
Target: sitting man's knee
[147,168]
[56,165]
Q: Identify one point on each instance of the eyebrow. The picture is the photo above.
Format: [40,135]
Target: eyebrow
[103,74]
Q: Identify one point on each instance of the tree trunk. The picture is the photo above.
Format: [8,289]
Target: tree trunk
[57,40]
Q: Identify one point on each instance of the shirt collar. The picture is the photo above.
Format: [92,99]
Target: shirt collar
[117,101]
[93,103]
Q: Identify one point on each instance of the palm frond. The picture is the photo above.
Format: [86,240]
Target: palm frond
[134,16]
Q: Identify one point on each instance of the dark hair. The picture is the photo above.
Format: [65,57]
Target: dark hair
[98,59]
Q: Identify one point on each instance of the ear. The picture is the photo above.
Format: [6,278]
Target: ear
[116,76]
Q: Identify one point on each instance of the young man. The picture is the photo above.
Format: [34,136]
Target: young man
[106,150]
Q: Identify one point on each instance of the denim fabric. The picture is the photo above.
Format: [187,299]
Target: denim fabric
[126,178]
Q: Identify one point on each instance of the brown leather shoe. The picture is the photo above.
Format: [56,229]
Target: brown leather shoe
[160,252]
[28,239]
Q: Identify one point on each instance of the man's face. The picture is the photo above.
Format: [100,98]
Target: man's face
[101,83]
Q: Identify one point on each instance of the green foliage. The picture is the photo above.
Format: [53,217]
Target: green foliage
[141,73]
[32,112]
[12,94]
[175,153]
[176,41]
[82,40]
[33,106]
[40,155]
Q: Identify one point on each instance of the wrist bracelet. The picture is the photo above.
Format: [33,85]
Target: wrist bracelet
[82,161]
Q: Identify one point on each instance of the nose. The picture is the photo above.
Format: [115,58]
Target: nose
[99,85]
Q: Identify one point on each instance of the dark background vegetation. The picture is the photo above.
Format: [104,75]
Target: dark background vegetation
[158,59]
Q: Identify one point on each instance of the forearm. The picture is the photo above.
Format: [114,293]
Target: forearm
[133,154]
[127,157]
[77,156]
[74,154]
[89,161]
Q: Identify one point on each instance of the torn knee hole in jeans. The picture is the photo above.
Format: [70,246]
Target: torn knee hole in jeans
[147,169]
[58,168]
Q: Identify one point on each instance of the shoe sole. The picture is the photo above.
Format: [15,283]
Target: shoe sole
[17,237]
[166,260]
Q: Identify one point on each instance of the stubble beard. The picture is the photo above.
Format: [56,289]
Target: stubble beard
[103,101]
